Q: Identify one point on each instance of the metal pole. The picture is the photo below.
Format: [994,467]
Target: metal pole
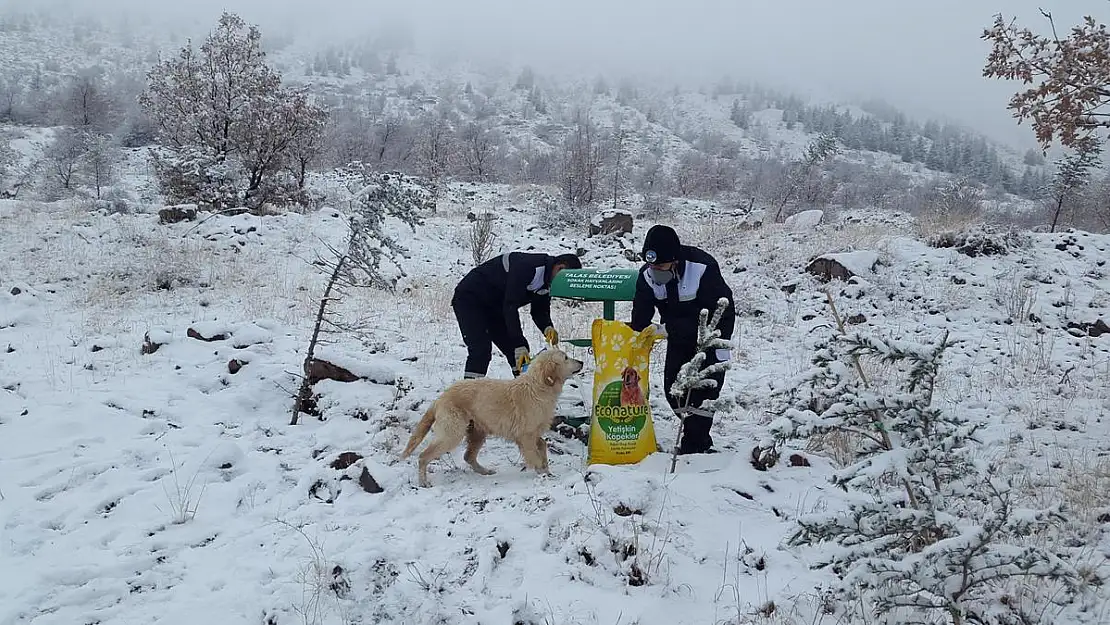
[609,310]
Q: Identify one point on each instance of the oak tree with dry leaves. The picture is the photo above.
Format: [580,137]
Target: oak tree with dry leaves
[1067,79]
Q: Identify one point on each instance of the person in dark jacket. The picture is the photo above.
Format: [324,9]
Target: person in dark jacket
[680,281]
[487,300]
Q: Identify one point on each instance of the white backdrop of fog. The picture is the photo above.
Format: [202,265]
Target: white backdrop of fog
[922,56]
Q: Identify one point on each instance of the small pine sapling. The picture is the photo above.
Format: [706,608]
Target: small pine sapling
[694,375]
[931,529]
[374,197]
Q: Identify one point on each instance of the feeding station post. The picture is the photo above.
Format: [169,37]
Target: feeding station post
[607,286]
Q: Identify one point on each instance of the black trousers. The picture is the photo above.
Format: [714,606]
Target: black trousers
[481,329]
[697,421]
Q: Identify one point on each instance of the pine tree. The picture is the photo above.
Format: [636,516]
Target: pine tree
[694,374]
[1073,172]
[740,115]
[373,197]
[932,530]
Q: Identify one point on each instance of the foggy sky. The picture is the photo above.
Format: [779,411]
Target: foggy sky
[924,56]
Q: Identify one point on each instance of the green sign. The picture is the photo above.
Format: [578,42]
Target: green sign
[596,285]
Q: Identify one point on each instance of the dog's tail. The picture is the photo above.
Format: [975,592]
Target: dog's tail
[421,431]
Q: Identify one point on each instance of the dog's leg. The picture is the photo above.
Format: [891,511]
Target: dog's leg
[439,446]
[533,457]
[541,446]
[474,440]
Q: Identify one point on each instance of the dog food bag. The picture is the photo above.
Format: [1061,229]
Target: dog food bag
[621,430]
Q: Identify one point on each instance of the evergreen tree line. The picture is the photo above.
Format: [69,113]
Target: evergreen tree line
[940,147]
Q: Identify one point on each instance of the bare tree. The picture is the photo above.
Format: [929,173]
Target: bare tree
[478,151]
[86,103]
[617,149]
[63,157]
[652,182]
[306,143]
[395,141]
[582,159]
[436,149]
[100,161]
[1070,96]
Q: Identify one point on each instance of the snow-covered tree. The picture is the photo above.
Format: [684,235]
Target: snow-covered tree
[86,103]
[62,160]
[1068,79]
[436,148]
[1073,173]
[478,145]
[373,198]
[740,115]
[583,156]
[694,374]
[802,172]
[100,161]
[930,528]
[223,104]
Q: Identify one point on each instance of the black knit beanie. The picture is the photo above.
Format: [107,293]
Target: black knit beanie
[660,245]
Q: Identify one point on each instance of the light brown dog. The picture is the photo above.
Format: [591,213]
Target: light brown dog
[631,395]
[520,410]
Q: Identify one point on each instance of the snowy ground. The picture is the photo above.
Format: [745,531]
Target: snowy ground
[161,487]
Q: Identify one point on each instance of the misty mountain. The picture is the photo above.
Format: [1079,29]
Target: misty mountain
[398,107]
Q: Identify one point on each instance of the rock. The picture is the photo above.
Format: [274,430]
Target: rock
[804,221]
[234,365]
[789,288]
[1094,330]
[193,334]
[345,460]
[856,319]
[612,221]
[368,483]
[149,346]
[843,266]
[177,213]
[764,458]
[316,370]
[16,290]
[798,460]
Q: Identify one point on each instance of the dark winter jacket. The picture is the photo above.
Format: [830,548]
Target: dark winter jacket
[696,286]
[504,284]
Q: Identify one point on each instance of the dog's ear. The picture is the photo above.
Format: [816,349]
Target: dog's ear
[550,371]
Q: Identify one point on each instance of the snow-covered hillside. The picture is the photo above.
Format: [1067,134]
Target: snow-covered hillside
[169,486]
[730,141]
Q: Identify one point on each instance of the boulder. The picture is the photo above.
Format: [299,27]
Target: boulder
[612,221]
[177,213]
[843,266]
[316,369]
[804,221]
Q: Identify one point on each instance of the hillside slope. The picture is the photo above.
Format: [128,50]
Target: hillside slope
[165,488]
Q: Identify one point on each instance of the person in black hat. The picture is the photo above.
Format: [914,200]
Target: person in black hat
[487,300]
[680,281]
